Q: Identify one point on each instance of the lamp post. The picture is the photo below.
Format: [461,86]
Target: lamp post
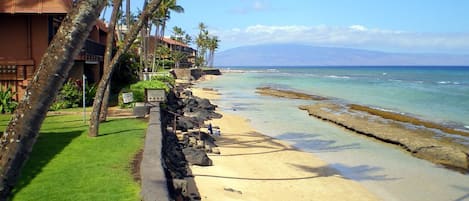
[84,98]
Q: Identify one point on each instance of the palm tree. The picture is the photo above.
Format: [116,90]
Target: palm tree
[178,56]
[130,38]
[161,17]
[202,45]
[21,133]
[178,34]
[187,39]
[127,12]
[200,41]
[212,45]
[108,54]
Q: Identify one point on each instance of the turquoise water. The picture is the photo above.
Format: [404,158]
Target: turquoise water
[436,94]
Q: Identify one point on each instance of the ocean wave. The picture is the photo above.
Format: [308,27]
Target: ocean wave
[337,77]
[395,80]
[448,82]
[388,110]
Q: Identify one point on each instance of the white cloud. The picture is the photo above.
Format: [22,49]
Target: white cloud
[354,36]
[358,28]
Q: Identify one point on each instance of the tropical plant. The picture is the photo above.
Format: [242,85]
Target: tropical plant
[70,95]
[160,18]
[7,104]
[163,53]
[177,57]
[212,45]
[164,78]
[178,34]
[201,42]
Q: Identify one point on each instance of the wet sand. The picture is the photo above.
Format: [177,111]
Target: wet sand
[253,166]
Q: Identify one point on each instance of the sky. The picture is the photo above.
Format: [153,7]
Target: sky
[407,26]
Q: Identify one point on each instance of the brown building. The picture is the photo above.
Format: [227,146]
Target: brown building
[26,29]
[175,45]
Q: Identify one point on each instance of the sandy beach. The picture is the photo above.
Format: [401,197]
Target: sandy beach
[253,166]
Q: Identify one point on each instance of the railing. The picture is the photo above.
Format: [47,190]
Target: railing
[94,48]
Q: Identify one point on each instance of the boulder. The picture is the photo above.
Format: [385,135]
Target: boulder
[197,157]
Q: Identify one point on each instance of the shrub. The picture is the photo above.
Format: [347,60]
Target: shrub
[71,95]
[90,93]
[138,89]
[164,78]
[7,104]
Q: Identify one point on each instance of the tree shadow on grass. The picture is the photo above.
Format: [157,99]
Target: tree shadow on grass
[116,128]
[129,131]
[48,145]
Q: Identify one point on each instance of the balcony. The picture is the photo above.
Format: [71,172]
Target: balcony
[92,51]
[94,48]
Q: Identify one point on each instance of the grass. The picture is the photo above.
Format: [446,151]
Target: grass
[66,164]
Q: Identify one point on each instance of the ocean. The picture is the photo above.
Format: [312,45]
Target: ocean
[437,94]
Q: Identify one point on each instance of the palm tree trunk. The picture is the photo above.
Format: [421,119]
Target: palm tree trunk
[107,58]
[155,49]
[19,137]
[127,12]
[105,104]
[131,36]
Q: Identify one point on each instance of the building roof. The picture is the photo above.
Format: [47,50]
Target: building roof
[35,6]
[174,42]
[101,25]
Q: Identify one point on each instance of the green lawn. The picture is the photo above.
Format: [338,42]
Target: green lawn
[66,164]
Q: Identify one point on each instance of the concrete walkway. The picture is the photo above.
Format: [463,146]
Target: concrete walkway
[154,186]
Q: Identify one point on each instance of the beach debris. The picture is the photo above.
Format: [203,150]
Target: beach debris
[232,190]
[216,150]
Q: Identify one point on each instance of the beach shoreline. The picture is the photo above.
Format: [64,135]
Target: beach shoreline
[253,166]
[415,136]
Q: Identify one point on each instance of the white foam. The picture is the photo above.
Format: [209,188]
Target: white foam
[338,77]
[444,82]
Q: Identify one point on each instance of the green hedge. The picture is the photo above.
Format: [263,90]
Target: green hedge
[138,89]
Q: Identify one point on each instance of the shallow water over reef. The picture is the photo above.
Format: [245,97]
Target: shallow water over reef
[385,170]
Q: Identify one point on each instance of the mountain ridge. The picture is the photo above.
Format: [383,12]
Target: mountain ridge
[305,55]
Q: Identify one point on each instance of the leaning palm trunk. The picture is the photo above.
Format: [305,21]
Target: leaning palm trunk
[19,137]
[105,104]
[107,57]
[132,35]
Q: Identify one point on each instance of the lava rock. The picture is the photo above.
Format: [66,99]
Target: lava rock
[197,157]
